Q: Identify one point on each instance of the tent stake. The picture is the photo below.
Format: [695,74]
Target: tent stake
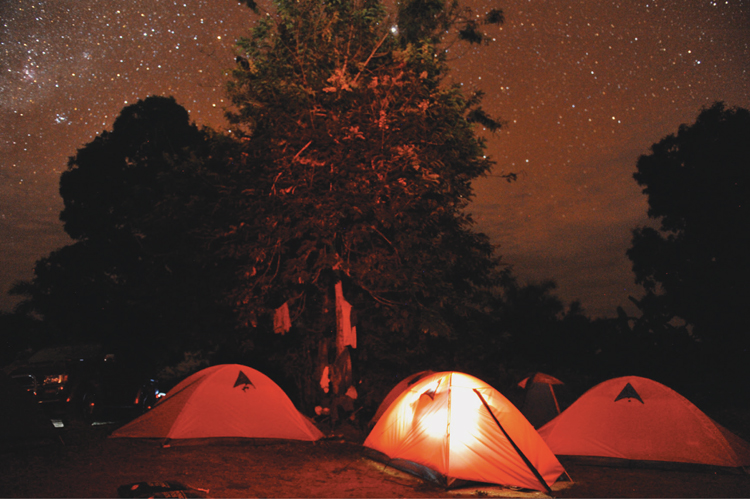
[520,452]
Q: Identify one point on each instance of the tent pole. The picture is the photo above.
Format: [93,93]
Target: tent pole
[520,452]
[557,406]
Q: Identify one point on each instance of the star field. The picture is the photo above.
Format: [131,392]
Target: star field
[584,87]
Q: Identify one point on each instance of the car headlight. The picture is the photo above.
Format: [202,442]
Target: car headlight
[55,379]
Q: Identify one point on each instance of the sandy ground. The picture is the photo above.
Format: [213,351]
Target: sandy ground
[89,464]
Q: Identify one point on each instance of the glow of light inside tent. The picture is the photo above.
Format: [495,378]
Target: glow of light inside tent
[435,423]
[431,418]
[465,410]
[464,407]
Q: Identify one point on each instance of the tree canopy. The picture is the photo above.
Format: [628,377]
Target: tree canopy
[136,277]
[357,157]
[349,162]
[356,167]
[694,266]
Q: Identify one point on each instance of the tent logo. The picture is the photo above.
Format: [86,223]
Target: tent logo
[629,393]
[243,380]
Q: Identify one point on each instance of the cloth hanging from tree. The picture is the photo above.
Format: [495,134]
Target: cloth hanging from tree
[281,321]
[346,334]
[325,380]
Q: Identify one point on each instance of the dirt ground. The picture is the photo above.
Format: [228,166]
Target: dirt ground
[86,463]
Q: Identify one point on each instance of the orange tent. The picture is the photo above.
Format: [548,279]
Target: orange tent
[227,400]
[639,419]
[452,427]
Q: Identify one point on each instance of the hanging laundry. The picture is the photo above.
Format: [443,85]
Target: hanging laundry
[281,321]
[346,335]
[325,381]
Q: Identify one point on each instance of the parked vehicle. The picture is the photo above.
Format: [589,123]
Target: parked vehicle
[84,383]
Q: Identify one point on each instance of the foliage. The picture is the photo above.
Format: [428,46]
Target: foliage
[432,20]
[20,335]
[357,166]
[136,276]
[694,266]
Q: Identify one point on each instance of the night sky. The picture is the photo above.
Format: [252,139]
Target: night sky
[584,88]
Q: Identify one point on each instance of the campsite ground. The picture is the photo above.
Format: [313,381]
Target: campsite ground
[89,464]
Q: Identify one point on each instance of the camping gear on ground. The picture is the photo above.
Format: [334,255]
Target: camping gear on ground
[395,392]
[638,419]
[159,489]
[453,428]
[227,400]
[544,398]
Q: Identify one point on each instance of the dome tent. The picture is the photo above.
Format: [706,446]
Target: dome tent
[227,400]
[452,428]
[638,419]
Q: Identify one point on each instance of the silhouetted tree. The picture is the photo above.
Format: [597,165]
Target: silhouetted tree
[529,316]
[20,335]
[357,169]
[695,266]
[138,276]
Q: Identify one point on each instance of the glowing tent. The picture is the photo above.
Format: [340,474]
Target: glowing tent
[451,427]
[638,419]
[544,398]
[227,400]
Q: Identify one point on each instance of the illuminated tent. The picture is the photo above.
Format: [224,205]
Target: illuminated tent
[453,428]
[544,398]
[638,419]
[227,400]
[395,392]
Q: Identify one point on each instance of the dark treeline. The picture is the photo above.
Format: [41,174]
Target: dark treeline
[347,172]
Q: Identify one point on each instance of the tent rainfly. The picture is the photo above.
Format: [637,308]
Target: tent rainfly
[226,400]
[638,419]
[453,428]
